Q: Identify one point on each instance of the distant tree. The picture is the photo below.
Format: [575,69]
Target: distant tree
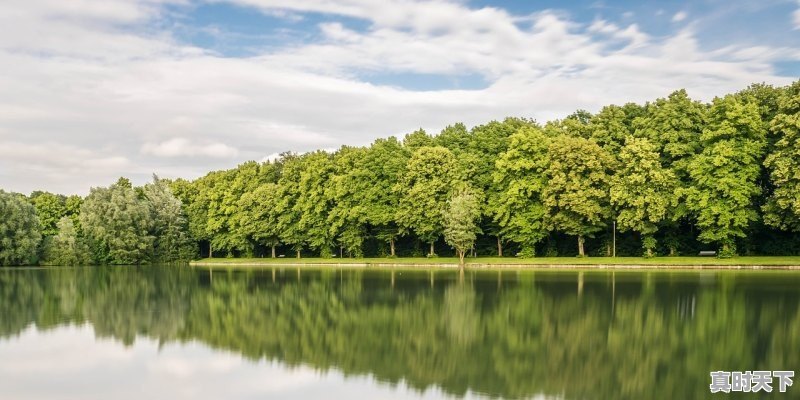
[576,195]
[782,209]
[724,174]
[20,233]
[517,205]
[118,224]
[66,247]
[430,175]
[460,220]
[289,214]
[642,191]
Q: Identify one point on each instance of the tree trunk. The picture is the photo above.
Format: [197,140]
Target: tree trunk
[431,253]
[210,252]
[391,246]
[461,254]
[499,247]
[298,253]
[580,246]
[273,251]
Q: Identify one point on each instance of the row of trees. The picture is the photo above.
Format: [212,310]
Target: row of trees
[673,176]
[674,173]
[119,224]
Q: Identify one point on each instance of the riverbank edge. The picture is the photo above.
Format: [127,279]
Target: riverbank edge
[493,266]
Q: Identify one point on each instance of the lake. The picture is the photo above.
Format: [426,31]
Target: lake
[190,333]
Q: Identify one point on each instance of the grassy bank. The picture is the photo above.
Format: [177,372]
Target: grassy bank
[678,262]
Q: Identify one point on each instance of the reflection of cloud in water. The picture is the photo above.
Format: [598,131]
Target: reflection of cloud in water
[71,362]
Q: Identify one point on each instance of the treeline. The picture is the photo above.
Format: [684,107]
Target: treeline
[119,224]
[669,177]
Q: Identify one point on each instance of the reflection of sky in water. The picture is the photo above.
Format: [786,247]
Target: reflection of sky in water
[70,363]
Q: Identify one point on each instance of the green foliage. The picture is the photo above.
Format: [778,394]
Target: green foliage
[576,199]
[642,191]
[520,178]
[782,209]
[431,174]
[724,173]
[460,220]
[118,224]
[50,208]
[170,227]
[20,232]
[66,247]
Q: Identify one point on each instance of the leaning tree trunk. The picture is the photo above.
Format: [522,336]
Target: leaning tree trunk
[461,254]
[580,246]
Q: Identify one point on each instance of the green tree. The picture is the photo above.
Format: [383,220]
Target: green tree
[49,208]
[66,247]
[642,191]
[118,224]
[520,180]
[430,175]
[20,233]
[782,209]
[724,175]
[460,220]
[170,227]
[260,216]
[576,195]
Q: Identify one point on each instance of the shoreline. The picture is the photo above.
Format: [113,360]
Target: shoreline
[498,266]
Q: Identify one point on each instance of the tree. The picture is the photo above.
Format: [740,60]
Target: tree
[170,227]
[313,203]
[260,216]
[782,209]
[49,208]
[20,233]
[460,220]
[289,215]
[642,191]
[425,187]
[724,175]
[66,247]
[520,178]
[118,223]
[576,195]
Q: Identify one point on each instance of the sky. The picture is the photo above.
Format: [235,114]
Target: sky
[91,90]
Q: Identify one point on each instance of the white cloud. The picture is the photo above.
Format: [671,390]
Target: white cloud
[679,16]
[183,147]
[796,19]
[97,85]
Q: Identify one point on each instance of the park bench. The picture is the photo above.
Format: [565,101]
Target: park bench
[707,253]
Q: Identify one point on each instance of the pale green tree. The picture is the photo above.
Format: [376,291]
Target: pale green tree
[461,220]
[66,247]
[170,227]
[118,224]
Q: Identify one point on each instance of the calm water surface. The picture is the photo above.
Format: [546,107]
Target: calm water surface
[178,332]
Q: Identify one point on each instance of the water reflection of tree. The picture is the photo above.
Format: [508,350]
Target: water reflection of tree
[626,339]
